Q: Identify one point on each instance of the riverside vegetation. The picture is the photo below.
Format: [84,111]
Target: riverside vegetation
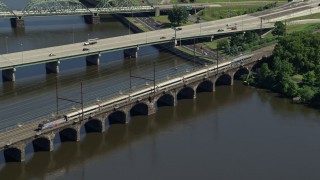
[294,70]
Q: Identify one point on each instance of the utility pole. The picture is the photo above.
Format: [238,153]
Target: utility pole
[260,28]
[70,100]
[194,52]
[217,59]
[148,79]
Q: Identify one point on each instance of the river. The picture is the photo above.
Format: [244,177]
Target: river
[236,132]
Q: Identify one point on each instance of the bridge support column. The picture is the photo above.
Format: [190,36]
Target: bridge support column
[9,74]
[15,153]
[52,67]
[17,22]
[157,11]
[151,108]
[93,59]
[92,19]
[131,53]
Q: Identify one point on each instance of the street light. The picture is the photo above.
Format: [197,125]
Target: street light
[6,39]
[72,34]
[21,52]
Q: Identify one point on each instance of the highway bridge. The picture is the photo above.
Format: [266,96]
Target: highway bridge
[76,8]
[130,43]
[142,101]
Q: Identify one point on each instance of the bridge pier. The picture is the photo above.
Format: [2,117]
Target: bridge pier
[92,19]
[157,11]
[17,22]
[15,153]
[93,59]
[52,67]
[131,53]
[152,107]
[9,75]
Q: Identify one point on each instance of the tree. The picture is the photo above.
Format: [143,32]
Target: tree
[280,29]
[309,78]
[306,93]
[178,15]
[222,43]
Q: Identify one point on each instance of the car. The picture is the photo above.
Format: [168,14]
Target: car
[234,28]
[179,28]
[162,37]
[51,54]
[85,49]
[220,30]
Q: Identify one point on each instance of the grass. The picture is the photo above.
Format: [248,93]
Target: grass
[310,16]
[222,1]
[214,13]
[297,77]
[139,25]
[303,27]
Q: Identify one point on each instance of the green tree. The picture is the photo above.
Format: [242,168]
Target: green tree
[280,29]
[309,78]
[222,43]
[306,93]
[178,15]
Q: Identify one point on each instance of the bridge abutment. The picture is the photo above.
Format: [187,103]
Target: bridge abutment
[92,19]
[93,59]
[15,153]
[17,22]
[52,67]
[9,74]
[131,53]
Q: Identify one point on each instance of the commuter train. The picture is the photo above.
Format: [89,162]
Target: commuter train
[91,110]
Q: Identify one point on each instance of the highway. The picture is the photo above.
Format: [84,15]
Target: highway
[244,23]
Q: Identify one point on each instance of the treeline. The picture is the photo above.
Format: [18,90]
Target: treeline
[294,70]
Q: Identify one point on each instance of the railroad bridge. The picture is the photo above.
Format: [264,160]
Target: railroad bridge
[142,101]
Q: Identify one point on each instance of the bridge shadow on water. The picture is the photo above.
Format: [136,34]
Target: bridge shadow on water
[94,146]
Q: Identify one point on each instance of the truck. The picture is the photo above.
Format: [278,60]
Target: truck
[90,42]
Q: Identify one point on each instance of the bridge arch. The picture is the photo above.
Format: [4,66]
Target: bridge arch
[140,108]
[94,125]
[117,117]
[69,134]
[186,93]
[166,100]
[42,144]
[205,86]
[14,154]
[240,72]
[224,79]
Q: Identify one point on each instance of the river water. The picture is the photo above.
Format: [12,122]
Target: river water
[236,132]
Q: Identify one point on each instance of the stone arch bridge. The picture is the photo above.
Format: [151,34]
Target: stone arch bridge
[142,103]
